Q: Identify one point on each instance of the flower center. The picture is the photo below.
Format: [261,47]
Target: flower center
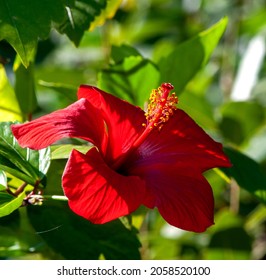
[161,106]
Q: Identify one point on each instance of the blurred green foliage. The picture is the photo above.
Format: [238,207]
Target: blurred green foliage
[144,42]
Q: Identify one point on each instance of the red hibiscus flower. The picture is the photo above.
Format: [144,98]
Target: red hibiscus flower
[154,159]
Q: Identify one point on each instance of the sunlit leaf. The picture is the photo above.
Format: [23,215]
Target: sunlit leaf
[9,107]
[63,151]
[131,80]
[180,66]
[247,173]
[9,203]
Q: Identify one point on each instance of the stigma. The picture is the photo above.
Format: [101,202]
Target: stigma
[162,104]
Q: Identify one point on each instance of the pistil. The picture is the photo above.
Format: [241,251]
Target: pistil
[161,107]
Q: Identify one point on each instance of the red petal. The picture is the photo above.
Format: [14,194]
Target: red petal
[180,142]
[184,201]
[188,205]
[78,120]
[98,193]
[124,121]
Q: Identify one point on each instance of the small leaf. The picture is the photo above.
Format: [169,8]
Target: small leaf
[9,203]
[9,107]
[131,80]
[247,173]
[180,66]
[25,87]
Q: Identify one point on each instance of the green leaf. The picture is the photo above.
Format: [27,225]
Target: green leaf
[58,226]
[79,17]
[63,151]
[128,79]
[26,164]
[247,173]
[9,203]
[22,22]
[68,91]
[25,87]
[240,127]
[9,107]
[119,53]
[180,66]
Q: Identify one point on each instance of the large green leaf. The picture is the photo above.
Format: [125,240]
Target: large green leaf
[132,79]
[22,22]
[180,66]
[26,164]
[76,238]
[247,173]
[9,107]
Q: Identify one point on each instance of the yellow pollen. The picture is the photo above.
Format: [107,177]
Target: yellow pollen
[161,106]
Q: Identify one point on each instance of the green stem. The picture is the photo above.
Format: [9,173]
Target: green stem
[56,197]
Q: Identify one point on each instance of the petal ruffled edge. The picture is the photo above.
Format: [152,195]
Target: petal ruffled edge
[97,192]
[79,120]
